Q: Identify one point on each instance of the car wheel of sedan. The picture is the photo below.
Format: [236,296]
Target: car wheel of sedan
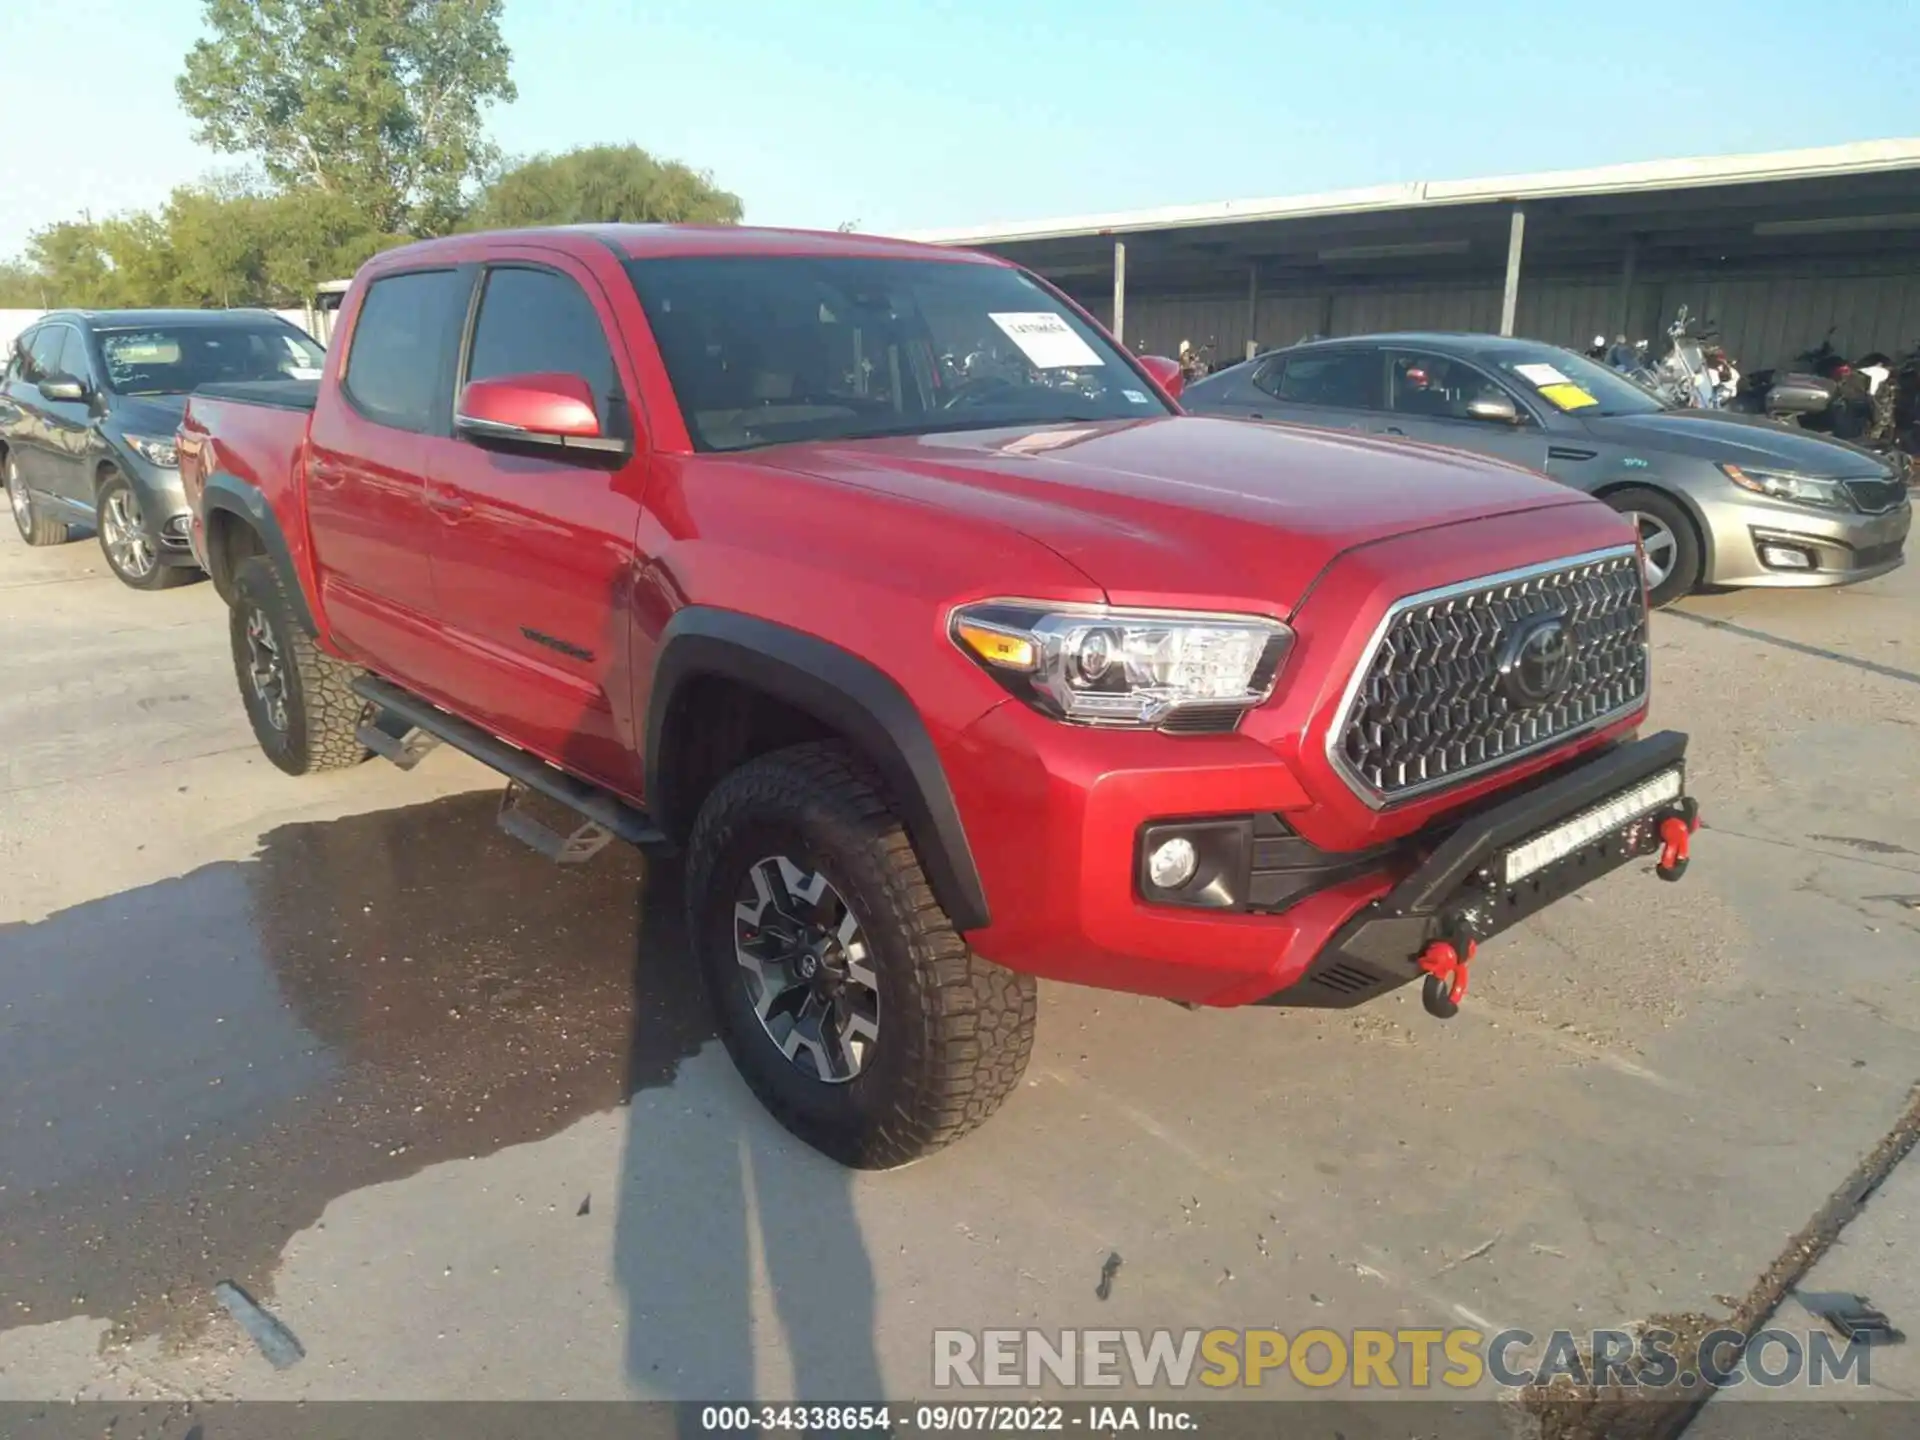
[35,528]
[133,554]
[852,1007]
[1667,537]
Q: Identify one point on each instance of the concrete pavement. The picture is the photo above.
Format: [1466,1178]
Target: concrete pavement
[339,1041]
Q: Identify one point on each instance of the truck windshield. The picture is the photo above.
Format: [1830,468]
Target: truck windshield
[176,359]
[1574,383]
[768,349]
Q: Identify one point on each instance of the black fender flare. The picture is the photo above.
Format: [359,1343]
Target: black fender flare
[842,691]
[224,493]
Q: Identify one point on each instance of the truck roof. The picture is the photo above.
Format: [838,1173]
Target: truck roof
[646,241]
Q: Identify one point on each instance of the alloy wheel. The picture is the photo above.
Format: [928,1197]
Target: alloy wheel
[266,669]
[1661,548]
[808,969]
[128,547]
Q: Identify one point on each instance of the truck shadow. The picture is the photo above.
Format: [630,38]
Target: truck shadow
[195,1068]
[710,1184]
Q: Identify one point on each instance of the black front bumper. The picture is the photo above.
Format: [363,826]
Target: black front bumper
[1458,892]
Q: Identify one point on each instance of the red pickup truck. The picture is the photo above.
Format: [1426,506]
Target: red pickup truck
[884,588]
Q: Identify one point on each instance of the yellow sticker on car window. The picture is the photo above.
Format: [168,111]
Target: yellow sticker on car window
[1568,396]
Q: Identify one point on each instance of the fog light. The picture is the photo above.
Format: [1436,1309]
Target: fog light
[1784,557]
[1172,863]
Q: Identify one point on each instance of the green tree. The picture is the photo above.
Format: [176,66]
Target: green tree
[21,287]
[377,102]
[602,183]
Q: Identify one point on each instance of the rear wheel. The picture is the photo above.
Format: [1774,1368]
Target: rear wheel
[299,700]
[850,1004]
[1668,538]
[35,528]
[128,542]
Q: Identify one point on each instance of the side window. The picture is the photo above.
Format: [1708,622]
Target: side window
[19,367]
[534,322]
[1421,383]
[75,359]
[44,357]
[1347,379]
[398,356]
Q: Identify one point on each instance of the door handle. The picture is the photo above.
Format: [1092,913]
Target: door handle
[321,473]
[450,503]
[1393,430]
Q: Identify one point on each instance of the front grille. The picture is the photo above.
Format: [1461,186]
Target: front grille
[1430,707]
[1876,497]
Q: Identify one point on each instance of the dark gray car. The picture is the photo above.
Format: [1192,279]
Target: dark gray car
[1720,498]
[89,402]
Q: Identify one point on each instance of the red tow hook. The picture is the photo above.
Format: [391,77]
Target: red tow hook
[1446,983]
[1676,840]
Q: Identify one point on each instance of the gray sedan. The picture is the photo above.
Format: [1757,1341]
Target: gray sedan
[1720,498]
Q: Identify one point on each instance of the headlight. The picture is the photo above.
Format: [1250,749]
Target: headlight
[1145,669]
[1784,485]
[156,450]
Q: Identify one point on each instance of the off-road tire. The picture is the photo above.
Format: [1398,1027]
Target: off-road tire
[35,528]
[161,576]
[955,1030]
[1684,578]
[323,713]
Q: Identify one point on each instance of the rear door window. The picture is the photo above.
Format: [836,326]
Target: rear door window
[536,322]
[19,367]
[399,363]
[1342,379]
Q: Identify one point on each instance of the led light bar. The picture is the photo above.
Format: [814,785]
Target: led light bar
[1584,829]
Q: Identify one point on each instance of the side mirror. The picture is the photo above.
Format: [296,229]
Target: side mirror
[1166,373]
[62,387]
[1495,409]
[550,412]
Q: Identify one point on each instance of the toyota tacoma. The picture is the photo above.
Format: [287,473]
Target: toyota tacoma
[907,609]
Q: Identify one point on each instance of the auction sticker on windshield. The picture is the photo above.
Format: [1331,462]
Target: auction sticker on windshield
[1541,375]
[1047,341]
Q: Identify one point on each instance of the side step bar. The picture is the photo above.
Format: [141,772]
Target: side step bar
[524,772]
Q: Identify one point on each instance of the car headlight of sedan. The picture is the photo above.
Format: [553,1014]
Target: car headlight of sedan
[1785,485]
[1143,669]
[155,450]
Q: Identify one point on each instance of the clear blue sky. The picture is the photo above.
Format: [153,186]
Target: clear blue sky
[907,114]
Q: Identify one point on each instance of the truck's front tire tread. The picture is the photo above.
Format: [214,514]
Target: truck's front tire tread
[962,1045]
[323,712]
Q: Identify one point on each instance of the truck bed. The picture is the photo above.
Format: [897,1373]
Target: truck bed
[254,432]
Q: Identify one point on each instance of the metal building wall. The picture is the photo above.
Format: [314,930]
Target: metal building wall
[1762,320]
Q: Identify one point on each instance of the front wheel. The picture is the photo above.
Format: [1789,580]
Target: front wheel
[299,700]
[1668,538]
[852,1007]
[127,540]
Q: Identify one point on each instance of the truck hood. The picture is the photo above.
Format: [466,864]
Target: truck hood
[1185,510]
[1737,439]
